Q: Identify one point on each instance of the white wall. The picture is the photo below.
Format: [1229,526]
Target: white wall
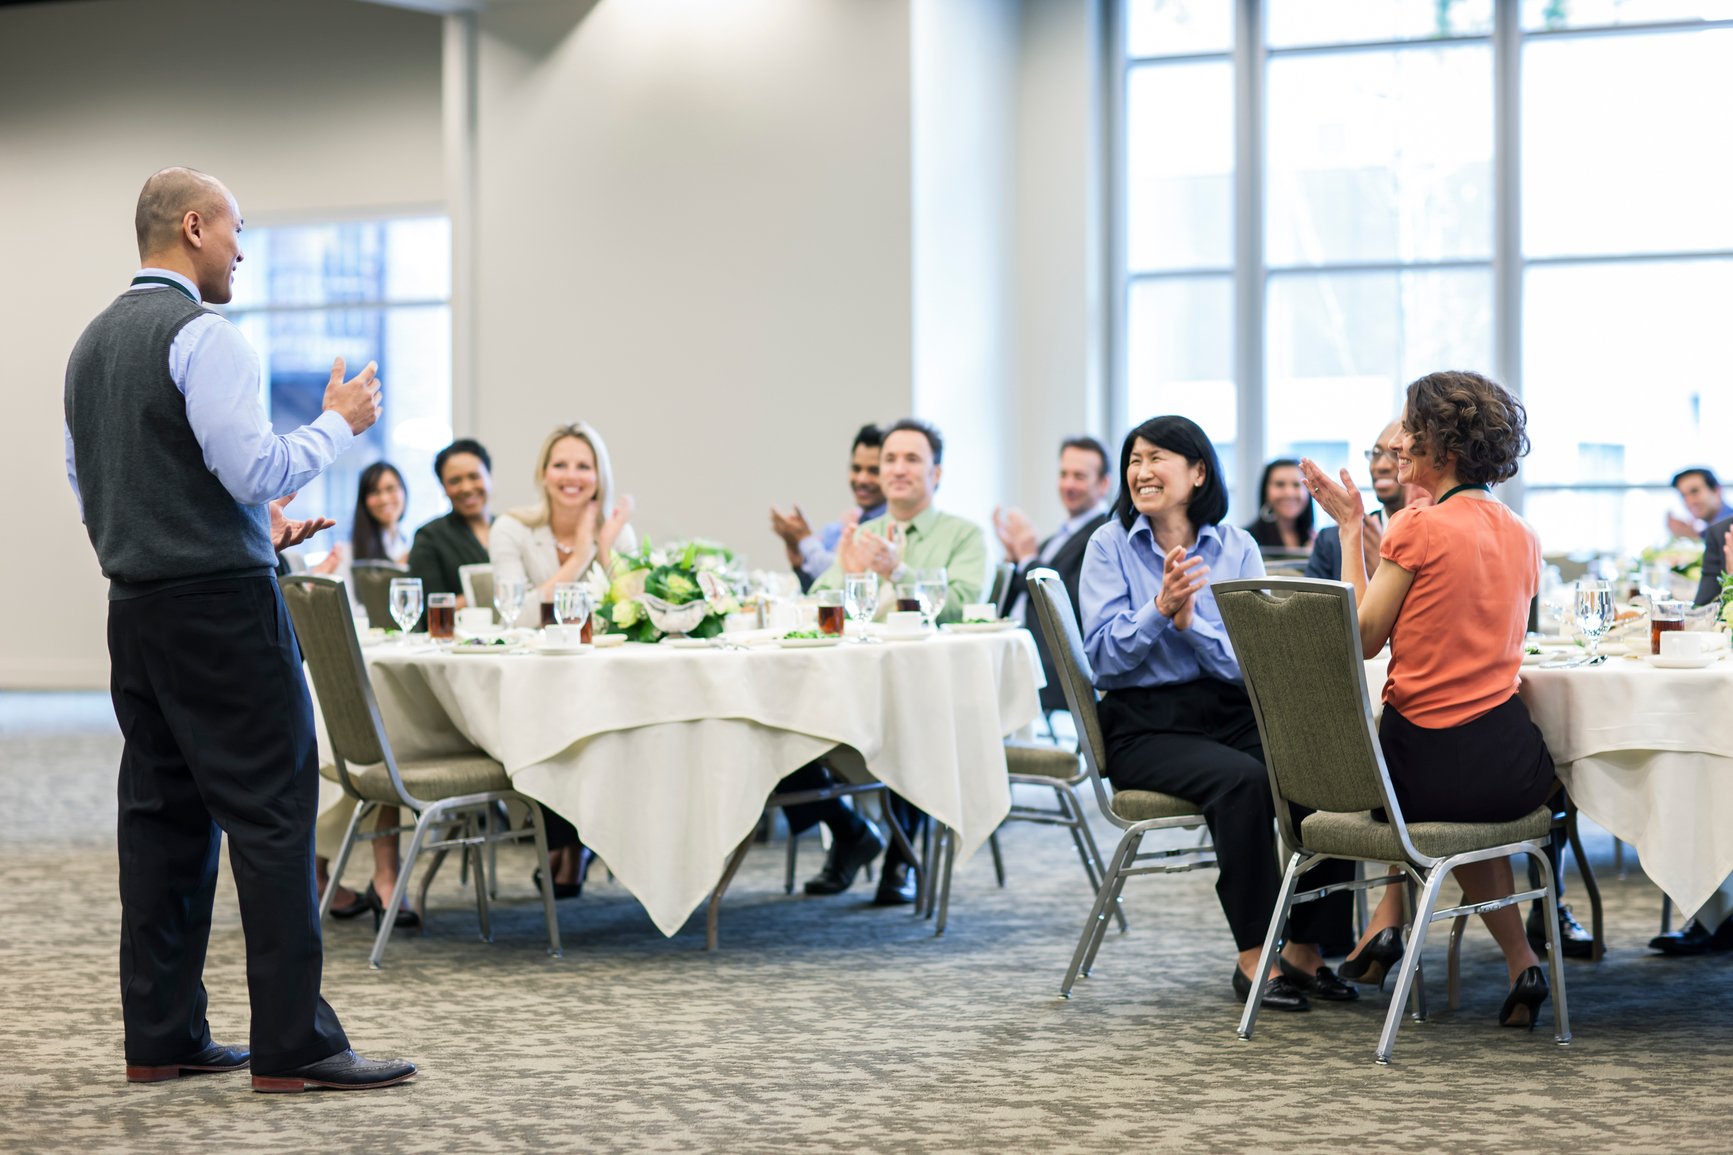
[693,230]
[306,110]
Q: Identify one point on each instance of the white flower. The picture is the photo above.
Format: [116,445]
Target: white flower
[658,557]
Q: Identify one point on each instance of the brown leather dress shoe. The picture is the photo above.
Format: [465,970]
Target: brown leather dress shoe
[214,1059]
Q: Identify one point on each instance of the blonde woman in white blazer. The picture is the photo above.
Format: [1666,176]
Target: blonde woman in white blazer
[575,526]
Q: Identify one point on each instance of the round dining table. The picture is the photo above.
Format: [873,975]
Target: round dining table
[663,756]
[1646,752]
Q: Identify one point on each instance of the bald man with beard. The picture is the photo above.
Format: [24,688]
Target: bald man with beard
[181,483]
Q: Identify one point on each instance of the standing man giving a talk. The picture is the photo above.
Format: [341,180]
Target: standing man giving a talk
[182,482]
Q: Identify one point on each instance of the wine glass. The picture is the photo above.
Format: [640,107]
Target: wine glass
[934,591]
[860,594]
[1594,612]
[508,600]
[405,602]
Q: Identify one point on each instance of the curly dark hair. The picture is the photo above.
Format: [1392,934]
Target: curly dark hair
[1456,413]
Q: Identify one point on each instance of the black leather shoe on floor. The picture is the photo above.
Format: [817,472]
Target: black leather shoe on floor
[1278,995]
[897,885]
[344,1071]
[846,859]
[1573,939]
[214,1058]
[1694,938]
[1323,984]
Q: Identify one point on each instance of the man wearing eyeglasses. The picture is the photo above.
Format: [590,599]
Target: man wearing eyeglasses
[1326,559]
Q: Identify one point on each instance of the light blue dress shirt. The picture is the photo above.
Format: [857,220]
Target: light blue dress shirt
[217,372]
[1129,641]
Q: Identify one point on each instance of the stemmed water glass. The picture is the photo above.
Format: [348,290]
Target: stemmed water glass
[508,600]
[405,602]
[1594,612]
[860,595]
[934,587]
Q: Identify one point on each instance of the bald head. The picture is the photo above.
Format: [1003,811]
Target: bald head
[168,196]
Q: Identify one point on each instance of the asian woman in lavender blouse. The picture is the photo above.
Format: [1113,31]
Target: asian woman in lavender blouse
[1174,709]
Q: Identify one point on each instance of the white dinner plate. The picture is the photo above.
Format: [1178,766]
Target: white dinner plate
[1536,659]
[905,635]
[489,649]
[979,627]
[807,643]
[607,641]
[1663,662]
[687,643]
[562,651]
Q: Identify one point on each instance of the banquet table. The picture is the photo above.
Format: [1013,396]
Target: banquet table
[663,757]
[1648,754]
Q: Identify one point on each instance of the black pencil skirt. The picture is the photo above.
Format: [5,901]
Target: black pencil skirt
[1493,769]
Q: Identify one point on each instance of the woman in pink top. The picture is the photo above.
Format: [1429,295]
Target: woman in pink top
[1451,597]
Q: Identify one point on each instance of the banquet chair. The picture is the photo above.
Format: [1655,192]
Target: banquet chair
[999,593]
[1044,766]
[477,582]
[1135,812]
[452,797]
[373,587]
[1298,644]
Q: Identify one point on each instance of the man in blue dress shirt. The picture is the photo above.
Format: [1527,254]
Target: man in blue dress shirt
[181,483]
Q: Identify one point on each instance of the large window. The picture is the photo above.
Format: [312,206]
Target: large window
[1285,308]
[364,291]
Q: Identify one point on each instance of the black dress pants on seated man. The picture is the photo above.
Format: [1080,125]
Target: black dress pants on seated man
[1199,741]
[855,841]
[211,700]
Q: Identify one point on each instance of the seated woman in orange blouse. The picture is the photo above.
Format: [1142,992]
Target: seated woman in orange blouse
[1451,595]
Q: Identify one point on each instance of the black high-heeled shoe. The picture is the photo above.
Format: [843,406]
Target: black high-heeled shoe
[1522,1004]
[352,910]
[406,918]
[1376,959]
[561,889]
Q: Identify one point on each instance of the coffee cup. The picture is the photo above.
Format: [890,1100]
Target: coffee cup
[980,612]
[1683,645]
[905,622]
[475,620]
[563,637]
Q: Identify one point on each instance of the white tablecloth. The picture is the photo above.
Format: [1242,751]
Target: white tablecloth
[1647,754]
[663,758]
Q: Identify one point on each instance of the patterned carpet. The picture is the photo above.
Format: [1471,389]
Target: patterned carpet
[820,1024]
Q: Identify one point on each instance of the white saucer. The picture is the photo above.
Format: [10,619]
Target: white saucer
[687,643]
[607,641]
[562,651]
[979,627]
[905,636]
[489,650]
[807,643]
[1536,659]
[1662,662]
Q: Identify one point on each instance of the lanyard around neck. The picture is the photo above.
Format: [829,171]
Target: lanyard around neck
[175,285]
[1483,487]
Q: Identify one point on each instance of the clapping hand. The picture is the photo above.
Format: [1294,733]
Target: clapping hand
[1181,579]
[285,532]
[860,552]
[792,528]
[1679,527]
[612,528]
[1341,501]
[1015,534]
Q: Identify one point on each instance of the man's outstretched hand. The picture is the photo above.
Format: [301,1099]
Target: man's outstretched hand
[286,532]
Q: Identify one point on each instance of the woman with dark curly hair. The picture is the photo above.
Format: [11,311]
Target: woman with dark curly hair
[1451,595]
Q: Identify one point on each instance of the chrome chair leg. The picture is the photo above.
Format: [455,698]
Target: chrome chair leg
[1101,926]
[1410,968]
[1098,912]
[335,877]
[1453,975]
[1272,943]
[998,859]
[948,864]
[482,880]
[429,817]
[788,870]
[1084,837]
[713,914]
[541,841]
[1555,959]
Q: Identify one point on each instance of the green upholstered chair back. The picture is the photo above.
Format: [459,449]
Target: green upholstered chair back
[1298,645]
[319,608]
[1058,626]
[373,588]
[477,581]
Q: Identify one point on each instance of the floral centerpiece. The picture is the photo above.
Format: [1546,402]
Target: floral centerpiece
[1681,557]
[682,589]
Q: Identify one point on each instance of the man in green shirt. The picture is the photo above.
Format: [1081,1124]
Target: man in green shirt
[911,535]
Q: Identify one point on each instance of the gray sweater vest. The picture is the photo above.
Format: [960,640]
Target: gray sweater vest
[156,515]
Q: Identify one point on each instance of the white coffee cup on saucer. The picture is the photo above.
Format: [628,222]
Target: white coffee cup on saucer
[475,620]
[562,637]
[904,622]
[980,612]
